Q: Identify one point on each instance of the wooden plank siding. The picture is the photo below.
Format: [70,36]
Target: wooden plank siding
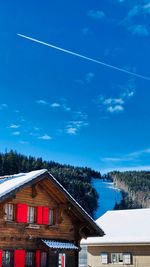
[21,236]
[62,229]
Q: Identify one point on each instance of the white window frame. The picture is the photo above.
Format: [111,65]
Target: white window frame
[83,256]
[104,258]
[9,212]
[118,258]
[31,214]
[127,258]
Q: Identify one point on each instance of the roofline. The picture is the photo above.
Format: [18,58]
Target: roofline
[116,244]
[18,188]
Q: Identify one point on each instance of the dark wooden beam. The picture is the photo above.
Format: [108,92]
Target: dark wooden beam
[45,191]
[34,190]
[54,193]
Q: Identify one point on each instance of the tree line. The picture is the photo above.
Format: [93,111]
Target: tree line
[77,180]
[135,186]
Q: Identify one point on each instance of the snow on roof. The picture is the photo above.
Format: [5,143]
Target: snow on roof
[59,244]
[123,226]
[12,182]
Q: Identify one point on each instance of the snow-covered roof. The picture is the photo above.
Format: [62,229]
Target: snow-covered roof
[12,182]
[123,227]
[59,244]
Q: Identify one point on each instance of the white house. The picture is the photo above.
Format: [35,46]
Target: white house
[126,240]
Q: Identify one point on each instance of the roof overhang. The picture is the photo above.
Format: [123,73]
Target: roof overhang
[112,244]
[53,244]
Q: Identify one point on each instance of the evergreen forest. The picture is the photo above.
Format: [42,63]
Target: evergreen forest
[77,180]
[135,186]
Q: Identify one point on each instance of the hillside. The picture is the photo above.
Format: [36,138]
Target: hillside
[135,186]
[77,180]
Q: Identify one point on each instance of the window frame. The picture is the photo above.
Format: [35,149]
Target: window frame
[127,260]
[31,217]
[51,217]
[9,212]
[118,259]
[44,259]
[4,258]
[104,258]
[30,258]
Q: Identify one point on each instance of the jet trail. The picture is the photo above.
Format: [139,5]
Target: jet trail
[84,57]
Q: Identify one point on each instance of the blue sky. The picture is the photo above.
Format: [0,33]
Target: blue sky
[64,108]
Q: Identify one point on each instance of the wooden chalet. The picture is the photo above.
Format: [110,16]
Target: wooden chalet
[41,224]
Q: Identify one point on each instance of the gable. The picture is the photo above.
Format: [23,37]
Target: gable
[62,226]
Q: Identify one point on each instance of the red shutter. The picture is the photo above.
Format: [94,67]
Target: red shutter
[38,258]
[45,215]
[63,260]
[19,258]
[1,253]
[39,215]
[21,213]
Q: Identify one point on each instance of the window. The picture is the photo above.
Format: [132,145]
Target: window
[31,215]
[104,258]
[45,215]
[116,258]
[62,260]
[29,259]
[8,210]
[7,258]
[51,217]
[83,256]
[43,259]
[126,258]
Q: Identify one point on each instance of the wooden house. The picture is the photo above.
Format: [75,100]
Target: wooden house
[126,241]
[41,224]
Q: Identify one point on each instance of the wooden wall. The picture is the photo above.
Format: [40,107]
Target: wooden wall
[22,234]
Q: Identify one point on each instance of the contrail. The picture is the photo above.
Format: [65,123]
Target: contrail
[84,57]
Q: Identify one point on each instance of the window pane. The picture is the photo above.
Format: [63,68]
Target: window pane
[127,258]
[31,216]
[104,258]
[43,259]
[29,259]
[51,217]
[83,256]
[8,209]
[117,258]
[6,258]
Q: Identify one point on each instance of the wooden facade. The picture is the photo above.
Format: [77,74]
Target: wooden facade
[38,210]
